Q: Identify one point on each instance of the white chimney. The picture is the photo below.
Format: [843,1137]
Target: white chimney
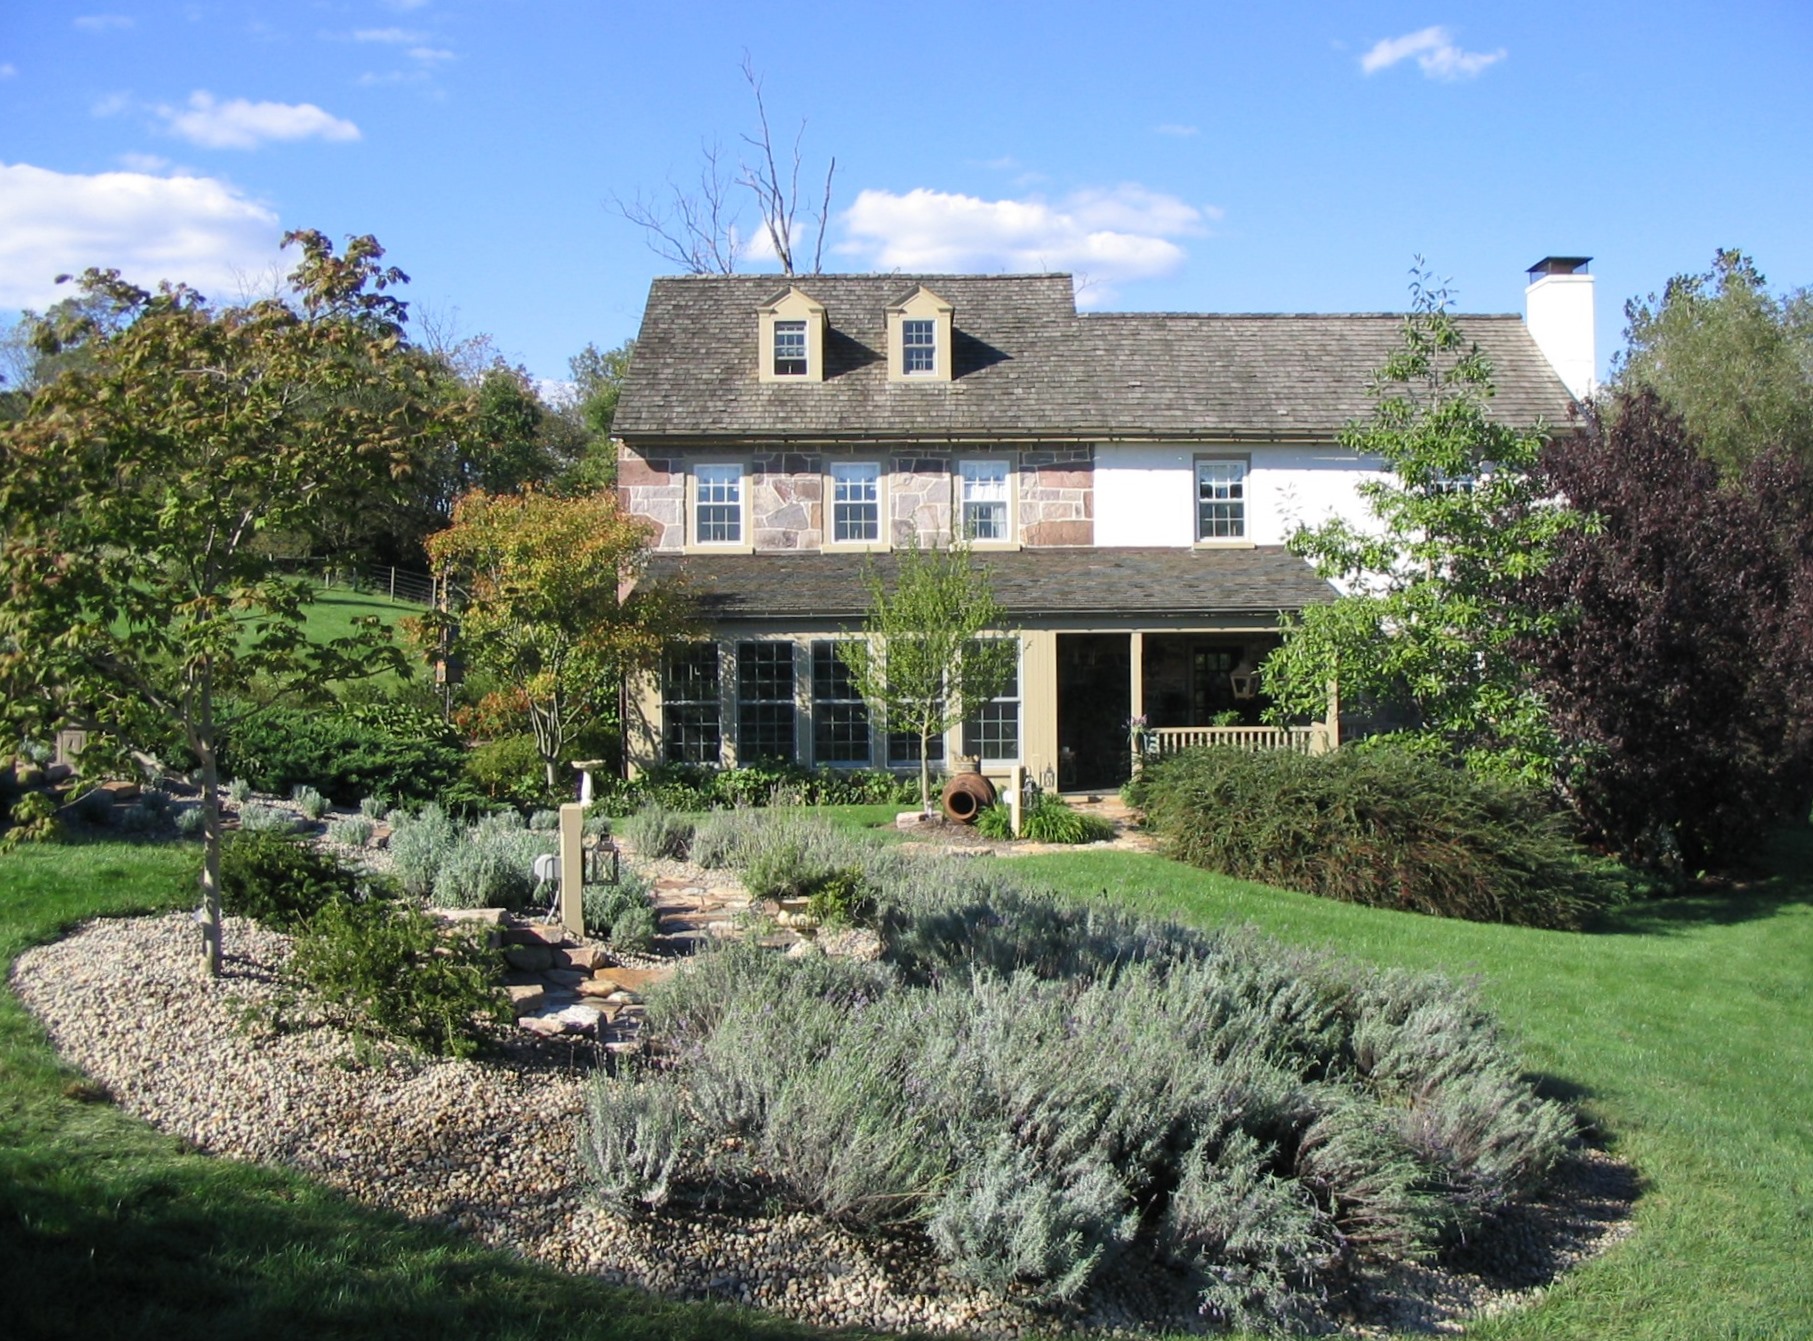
[1558,309]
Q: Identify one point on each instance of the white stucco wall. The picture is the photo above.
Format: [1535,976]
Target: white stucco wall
[1145,494]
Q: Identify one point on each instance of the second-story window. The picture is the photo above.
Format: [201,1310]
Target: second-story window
[919,346]
[718,505]
[1220,499]
[855,502]
[983,485]
[789,349]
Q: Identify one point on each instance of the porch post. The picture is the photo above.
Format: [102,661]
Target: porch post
[1136,691]
[1331,724]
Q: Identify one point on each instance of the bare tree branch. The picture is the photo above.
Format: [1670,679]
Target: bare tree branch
[695,231]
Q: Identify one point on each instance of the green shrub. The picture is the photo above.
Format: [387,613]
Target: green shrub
[691,787]
[841,899]
[278,879]
[374,806]
[419,845]
[353,831]
[633,1139]
[788,856]
[32,819]
[634,929]
[491,865]
[544,821]
[1374,826]
[1042,1087]
[239,791]
[656,832]
[256,817]
[396,973]
[603,906]
[1050,819]
[311,802]
[404,752]
[191,821]
[721,838]
[508,769]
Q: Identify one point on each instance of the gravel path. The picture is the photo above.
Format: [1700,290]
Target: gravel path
[489,1147]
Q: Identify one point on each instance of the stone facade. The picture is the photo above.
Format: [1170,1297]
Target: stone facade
[1057,497]
[655,490]
[786,501]
[919,499]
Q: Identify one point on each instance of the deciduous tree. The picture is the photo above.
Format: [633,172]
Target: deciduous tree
[936,646]
[1428,627]
[549,611]
[138,483]
[1733,359]
[1677,664]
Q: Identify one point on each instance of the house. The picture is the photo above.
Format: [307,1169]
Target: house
[1130,480]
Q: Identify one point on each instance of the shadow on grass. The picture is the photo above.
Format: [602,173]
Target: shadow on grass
[156,1242]
[1782,879]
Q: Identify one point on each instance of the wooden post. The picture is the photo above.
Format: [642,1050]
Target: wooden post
[1016,780]
[1136,693]
[1331,724]
[572,868]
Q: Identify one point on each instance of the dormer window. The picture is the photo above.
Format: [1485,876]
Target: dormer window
[789,349]
[791,328]
[919,338]
[919,347]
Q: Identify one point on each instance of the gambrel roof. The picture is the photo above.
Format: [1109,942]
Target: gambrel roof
[1027,366]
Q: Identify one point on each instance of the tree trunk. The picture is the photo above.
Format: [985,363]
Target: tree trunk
[209,913]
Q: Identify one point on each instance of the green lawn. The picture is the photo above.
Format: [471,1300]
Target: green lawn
[1685,1027]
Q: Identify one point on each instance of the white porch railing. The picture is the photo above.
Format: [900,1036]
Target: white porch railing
[1253,739]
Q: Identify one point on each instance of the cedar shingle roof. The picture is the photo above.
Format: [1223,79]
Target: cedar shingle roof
[1027,366]
[1030,582]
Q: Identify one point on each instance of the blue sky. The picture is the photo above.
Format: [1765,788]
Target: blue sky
[1185,156]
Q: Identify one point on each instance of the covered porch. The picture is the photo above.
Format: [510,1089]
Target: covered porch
[1144,693]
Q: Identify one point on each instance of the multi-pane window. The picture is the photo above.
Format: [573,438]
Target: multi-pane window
[919,346]
[983,485]
[840,718]
[1220,499]
[718,505]
[992,732]
[690,728]
[903,746]
[855,501]
[764,701]
[789,349]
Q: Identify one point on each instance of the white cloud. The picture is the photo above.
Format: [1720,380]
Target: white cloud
[144,162]
[112,105]
[1435,51]
[393,36]
[8,71]
[199,230]
[1111,235]
[239,124]
[429,55]
[102,23]
[1173,128]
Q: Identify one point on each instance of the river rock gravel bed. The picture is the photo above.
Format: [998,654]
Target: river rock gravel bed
[244,1069]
